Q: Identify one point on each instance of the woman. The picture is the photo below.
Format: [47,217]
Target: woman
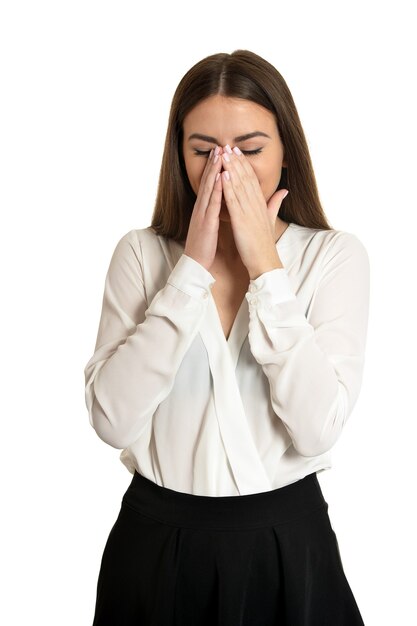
[229,357]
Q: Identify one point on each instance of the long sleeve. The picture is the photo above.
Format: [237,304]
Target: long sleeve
[314,363]
[140,345]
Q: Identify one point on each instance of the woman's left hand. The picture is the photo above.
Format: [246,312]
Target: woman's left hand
[252,218]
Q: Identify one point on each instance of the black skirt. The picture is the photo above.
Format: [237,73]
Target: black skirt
[264,559]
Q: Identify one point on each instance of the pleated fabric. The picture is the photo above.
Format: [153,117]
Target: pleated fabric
[264,559]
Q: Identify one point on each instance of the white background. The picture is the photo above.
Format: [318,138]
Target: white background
[85,94]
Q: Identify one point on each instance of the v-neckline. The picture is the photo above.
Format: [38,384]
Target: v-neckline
[219,322]
[239,329]
[243,305]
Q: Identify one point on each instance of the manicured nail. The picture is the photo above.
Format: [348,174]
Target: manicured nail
[226,156]
[217,176]
[236,150]
[228,148]
[226,175]
[217,150]
[216,158]
[285,194]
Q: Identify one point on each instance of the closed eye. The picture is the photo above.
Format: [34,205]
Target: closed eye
[207,152]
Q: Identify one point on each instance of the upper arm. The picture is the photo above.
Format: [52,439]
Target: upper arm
[340,307]
[124,299]
[340,310]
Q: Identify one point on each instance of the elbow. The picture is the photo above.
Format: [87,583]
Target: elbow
[310,447]
[108,435]
[101,416]
[112,438]
[112,434]
[321,438]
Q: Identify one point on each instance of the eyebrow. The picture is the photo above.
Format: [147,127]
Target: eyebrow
[256,133]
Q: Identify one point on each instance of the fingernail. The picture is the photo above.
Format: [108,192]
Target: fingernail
[215,158]
[228,148]
[236,150]
[217,176]
[226,175]
[217,150]
[226,156]
[285,194]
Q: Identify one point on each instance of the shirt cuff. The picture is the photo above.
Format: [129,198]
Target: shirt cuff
[270,288]
[191,277]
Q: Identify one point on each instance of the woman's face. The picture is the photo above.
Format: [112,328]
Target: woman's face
[222,120]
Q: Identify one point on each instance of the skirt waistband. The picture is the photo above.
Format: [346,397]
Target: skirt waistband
[278,506]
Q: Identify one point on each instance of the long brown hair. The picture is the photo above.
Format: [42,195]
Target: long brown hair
[242,74]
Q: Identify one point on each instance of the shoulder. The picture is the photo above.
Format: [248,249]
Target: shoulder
[331,242]
[134,237]
[143,249]
[127,253]
[133,241]
[344,246]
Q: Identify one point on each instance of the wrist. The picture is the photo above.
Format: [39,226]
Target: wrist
[258,268]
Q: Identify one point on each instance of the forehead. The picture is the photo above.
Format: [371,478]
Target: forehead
[239,116]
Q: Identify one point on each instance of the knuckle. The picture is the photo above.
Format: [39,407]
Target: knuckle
[239,185]
[208,186]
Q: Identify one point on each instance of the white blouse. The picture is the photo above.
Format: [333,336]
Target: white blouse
[200,414]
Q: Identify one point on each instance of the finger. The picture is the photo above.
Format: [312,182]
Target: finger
[232,201]
[242,172]
[206,169]
[242,186]
[207,182]
[243,165]
[214,205]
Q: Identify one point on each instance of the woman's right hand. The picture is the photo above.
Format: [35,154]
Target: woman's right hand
[201,242]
